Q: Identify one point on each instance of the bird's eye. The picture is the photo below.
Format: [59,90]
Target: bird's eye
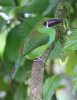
[45,23]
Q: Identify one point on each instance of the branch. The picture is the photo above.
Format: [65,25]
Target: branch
[38,75]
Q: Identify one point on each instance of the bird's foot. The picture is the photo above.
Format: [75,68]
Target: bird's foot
[40,59]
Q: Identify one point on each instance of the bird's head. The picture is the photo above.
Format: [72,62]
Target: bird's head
[52,22]
[49,22]
[45,25]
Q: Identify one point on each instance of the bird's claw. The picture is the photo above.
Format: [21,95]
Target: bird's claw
[40,59]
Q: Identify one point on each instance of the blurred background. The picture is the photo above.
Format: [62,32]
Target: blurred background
[17,19]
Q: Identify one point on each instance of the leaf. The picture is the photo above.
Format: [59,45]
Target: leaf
[75,79]
[16,36]
[71,62]
[2,44]
[20,93]
[50,85]
[6,2]
[3,86]
[25,2]
[57,52]
[51,7]
[24,72]
[9,10]
[36,6]
[9,96]
[71,41]
[2,23]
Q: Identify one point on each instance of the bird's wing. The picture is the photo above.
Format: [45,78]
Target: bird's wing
[34,40]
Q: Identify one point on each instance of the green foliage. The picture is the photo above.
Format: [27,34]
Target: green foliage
[3,86]
[71,47]
[75,79]
[26,72]
[71,42]
[51,7]
[13,34]
[2,23]
[6,3]
[20,93]
[57,52]
[31,7]
[72,61]
[50,86]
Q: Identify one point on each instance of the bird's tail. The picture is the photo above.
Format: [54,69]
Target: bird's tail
[17,65]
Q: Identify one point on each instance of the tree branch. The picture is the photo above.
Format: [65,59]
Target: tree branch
[37,75]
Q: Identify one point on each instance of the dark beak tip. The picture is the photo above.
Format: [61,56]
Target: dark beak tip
[55,21]
[52,22]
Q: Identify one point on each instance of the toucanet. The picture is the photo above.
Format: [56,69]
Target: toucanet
[37,41]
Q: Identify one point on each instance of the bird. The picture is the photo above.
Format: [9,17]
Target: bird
[37,41]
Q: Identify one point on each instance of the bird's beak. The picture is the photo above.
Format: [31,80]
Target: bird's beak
[52,22]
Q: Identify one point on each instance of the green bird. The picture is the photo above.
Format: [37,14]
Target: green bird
[37,41]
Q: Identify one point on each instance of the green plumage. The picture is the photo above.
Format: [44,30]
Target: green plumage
[36,43]
[39,39]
